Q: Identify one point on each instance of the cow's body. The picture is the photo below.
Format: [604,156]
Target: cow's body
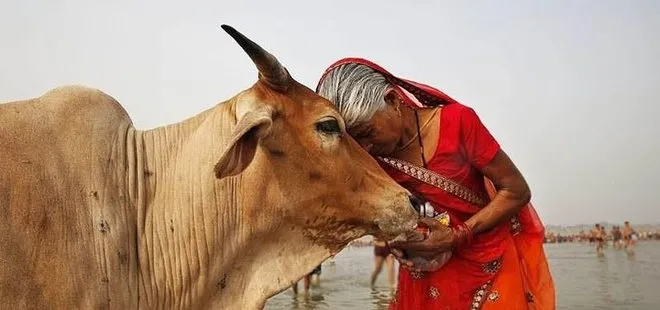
[91,208]
[67,216]
[222,210]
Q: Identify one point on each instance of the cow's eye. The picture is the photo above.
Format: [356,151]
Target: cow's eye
[329,126]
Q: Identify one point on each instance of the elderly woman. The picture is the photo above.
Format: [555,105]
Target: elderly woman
[439,149]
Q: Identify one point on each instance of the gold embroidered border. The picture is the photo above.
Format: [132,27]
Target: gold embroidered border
[432,178]
[479,296]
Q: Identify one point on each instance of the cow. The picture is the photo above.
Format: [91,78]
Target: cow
[222,210]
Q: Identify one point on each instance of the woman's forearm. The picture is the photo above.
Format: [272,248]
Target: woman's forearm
[504,205]
[512,194]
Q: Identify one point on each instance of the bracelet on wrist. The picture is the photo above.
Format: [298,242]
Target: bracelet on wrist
[463,236]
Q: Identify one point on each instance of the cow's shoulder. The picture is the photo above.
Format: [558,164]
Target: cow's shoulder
[78,102]
[56,126]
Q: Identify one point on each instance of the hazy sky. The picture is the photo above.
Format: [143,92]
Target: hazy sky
[569,88]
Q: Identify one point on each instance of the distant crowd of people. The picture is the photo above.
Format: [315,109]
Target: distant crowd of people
[620,237]
[615,235]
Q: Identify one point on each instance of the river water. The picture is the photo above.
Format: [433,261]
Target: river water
[583,280]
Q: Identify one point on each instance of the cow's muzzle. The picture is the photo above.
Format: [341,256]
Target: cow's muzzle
[398,220]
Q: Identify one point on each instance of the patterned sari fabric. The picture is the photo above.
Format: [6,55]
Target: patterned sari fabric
[504,268]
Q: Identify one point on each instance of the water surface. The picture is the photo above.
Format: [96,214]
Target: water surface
[583,280]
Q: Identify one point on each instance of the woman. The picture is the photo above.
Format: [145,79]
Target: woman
[438,149]
[382,255]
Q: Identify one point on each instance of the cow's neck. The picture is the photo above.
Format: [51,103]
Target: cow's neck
[196,245]
[182,209]
[267,264]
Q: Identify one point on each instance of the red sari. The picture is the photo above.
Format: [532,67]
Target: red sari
[504,268]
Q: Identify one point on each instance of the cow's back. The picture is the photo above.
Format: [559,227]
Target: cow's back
[67,228]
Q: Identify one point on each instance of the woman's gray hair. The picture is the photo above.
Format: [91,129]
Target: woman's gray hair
[357,90]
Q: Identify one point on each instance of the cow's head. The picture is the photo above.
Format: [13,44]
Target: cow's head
[291,145]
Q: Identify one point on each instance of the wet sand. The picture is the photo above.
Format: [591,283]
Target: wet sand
[616,281]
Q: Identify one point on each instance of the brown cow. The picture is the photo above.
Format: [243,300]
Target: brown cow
[222,210]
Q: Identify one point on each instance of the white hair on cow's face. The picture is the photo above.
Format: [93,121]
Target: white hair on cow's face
[357,90]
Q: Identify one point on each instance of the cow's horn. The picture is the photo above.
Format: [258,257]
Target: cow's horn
[269,67]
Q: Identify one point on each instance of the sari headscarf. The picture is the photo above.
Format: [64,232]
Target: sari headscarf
[413,94]
[528,232]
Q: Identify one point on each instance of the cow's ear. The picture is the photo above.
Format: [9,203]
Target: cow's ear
[252,126]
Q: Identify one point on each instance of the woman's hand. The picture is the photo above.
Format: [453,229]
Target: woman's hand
[438,241]
[402,258]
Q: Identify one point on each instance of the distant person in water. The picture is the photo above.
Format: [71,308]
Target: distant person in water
[583,236]
[629,236]
[598,237]
[617,237]
[382,255]
[307,280]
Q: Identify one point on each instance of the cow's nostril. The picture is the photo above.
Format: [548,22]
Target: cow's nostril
[416,203]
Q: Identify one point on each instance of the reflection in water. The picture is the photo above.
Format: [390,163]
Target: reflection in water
[603,282]
[313,299]
[618,280]
[631,256]
[380,299]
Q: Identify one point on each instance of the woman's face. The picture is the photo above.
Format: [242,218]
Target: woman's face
[381,134]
